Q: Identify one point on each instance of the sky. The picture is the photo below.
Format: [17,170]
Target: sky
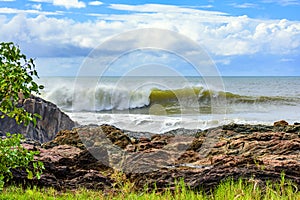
[242,38]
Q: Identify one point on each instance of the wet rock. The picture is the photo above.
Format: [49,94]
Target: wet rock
[182,131]
[138,135]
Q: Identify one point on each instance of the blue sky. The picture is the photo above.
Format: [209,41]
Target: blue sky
[248,38]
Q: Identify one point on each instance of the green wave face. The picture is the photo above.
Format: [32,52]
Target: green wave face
[190,100]
[173,101]
[202,101]
[199,93]
[164,96]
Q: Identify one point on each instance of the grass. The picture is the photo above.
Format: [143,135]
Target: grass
[227,190]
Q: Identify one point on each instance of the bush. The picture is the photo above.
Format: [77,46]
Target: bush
[16,83]
[14,155]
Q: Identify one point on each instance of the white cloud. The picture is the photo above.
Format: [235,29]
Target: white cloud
[219,33]
[69,3]
[6,10]
[283,2]
[7,0]
[42,1]
[162,9]
[64,3]
[244,5]
[37,6]
[282,36]
[223,61]
[95,3]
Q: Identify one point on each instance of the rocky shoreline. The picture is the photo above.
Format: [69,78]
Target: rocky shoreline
[89,156]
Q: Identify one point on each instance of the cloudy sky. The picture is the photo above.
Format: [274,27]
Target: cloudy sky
[242,37]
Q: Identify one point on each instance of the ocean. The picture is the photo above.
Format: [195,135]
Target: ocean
[159,104]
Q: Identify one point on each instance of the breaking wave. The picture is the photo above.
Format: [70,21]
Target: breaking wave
[111,98]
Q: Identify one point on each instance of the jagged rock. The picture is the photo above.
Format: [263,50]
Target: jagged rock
[67,167]
[254,152]
[245,151]
[53,120]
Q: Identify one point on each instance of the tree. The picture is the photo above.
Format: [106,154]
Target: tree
[16,83]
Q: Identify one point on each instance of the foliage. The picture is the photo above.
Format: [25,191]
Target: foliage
[229,190]
[14,155]
[16,83]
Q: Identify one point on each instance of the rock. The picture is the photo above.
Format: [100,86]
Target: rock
[87,156]
[182,131]
[281,123]
[88,136]
[65,137]
[138,135]
[67,168]
[53,120]
[240,151]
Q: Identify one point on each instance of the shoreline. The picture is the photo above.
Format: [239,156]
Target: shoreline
[88,156]
[159,124]
[203,159]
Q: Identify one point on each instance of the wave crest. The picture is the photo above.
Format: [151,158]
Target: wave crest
[112,98]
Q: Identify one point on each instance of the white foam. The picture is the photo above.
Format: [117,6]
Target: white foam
[148,123]
[113,96]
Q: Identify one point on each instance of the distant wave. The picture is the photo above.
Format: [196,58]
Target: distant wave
[111,98]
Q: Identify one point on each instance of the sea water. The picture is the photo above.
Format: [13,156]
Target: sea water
[159,104]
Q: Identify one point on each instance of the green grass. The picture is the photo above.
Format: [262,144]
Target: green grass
[227,190]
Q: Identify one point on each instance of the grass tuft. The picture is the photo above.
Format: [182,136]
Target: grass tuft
[228,189]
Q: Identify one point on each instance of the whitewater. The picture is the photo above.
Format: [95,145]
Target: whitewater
[159,104]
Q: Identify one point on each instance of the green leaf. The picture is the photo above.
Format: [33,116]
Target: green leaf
[30,174]
[16,77]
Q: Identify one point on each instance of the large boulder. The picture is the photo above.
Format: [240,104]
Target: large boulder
[52,121]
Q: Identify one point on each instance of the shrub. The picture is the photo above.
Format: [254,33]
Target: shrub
[16,83]
[14,155]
